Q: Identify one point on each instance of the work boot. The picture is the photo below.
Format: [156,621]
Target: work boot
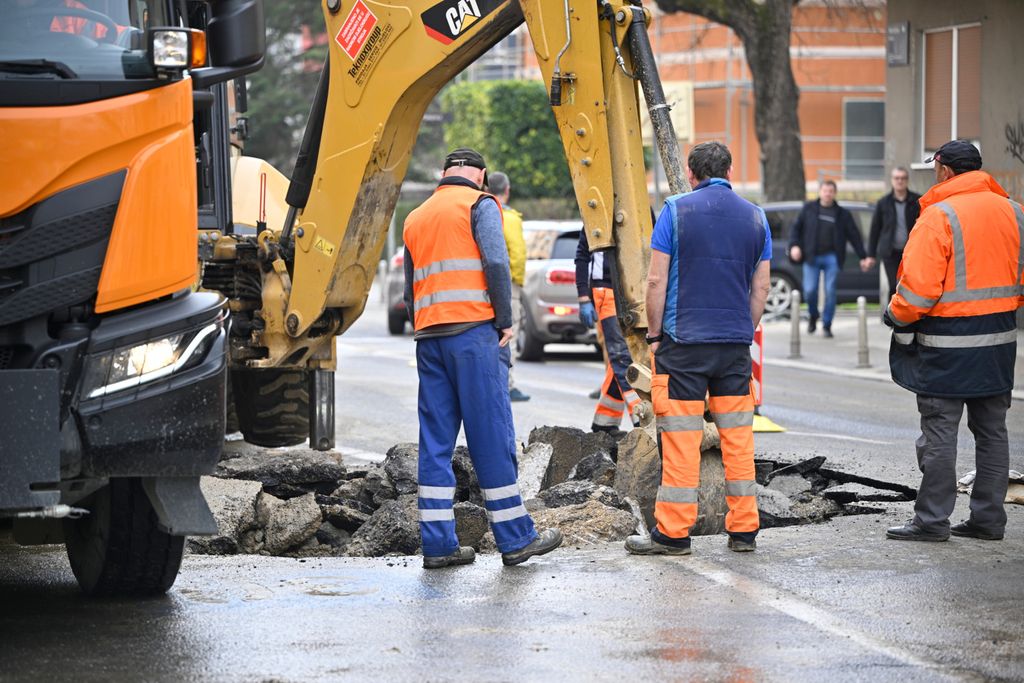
[912,532]
[812,325]
[645,545]
[740,546]
[516,395]
[463,555]
[827,331]
[595,394]
[548,540]
[967,529]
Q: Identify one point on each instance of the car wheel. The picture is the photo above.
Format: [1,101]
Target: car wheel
[529,347]
[396,322]
[779,294]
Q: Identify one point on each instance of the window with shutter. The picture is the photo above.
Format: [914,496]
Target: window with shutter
[951,106]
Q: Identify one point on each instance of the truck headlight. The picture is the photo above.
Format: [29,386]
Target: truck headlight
[170,48]
[130,366]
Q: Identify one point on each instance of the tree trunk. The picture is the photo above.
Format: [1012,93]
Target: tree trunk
[764,28]
[776,100]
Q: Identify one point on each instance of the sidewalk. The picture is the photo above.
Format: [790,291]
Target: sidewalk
[838,356]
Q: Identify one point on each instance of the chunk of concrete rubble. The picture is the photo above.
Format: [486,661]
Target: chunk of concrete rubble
[597,467]
[401,465]
[789,484]
[348,515]
[852,492]
[587,523]
[577,492]
[803,467]
[568,446]
[811,508]
[638,471]
[233,503]
[290,473]
[286,523]
[470,523]
[533,463]
[393,528]
[332,536]
[372,487]
[774,508]
[467,486]
[711,438]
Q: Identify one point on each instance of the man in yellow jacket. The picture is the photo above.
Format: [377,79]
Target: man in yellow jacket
[499,186]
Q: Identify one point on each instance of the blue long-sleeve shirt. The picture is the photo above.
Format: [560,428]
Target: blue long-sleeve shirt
[486,225]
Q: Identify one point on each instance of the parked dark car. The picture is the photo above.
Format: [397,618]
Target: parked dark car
[787,276]
[550,303]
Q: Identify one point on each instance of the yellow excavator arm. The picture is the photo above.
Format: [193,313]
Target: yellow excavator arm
[387,61]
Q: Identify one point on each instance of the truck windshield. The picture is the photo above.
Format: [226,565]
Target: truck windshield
[85,39]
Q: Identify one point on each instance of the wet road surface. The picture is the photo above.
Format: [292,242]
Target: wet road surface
[832,601]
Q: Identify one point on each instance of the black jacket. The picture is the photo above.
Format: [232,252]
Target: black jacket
[883,223]
[584,259]
[805,232]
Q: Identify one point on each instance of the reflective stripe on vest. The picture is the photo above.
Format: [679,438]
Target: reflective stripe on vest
[448,277]
[960,292]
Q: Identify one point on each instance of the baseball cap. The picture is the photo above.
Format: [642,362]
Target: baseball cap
[959,155]
[464,156]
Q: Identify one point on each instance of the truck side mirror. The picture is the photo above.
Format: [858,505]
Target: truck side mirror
[237,38]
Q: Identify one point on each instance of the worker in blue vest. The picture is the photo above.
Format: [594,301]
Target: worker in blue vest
[706,290]
[458,294]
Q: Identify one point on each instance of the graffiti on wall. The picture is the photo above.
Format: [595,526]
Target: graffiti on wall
[1015,140]
[1012,179]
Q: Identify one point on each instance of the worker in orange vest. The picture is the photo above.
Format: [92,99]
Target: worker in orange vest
[458,294]
[955,339]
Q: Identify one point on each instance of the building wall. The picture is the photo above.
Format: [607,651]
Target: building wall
[838,54]
[1002,87]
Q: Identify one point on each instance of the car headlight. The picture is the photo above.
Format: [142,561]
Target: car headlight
[130,366]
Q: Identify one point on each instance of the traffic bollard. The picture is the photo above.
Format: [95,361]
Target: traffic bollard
[794,324]
[862,333]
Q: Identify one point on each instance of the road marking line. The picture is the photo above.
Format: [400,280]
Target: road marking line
[841,437]
[765,595]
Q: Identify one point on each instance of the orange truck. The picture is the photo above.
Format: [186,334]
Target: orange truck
[112,363]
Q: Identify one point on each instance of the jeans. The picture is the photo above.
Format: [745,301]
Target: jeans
[829,263]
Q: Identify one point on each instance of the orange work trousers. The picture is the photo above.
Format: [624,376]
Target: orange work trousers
[683,375]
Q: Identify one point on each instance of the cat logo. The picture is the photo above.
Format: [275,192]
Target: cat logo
[446,21]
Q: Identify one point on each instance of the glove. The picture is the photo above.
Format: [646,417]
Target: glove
[588,314]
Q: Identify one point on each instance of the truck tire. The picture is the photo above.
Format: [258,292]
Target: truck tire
[272,405]
[231,415]
[118,549]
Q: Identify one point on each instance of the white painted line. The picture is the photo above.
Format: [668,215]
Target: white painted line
[840,437]
[766,595]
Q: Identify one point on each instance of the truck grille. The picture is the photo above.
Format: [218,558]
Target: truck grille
[52,253]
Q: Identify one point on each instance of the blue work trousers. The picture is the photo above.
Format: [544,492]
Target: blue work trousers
[464,381]
[829,264]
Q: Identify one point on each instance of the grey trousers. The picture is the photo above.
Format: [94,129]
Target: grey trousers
[936,456]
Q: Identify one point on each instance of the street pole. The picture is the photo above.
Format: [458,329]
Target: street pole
[794,324]
[862,333]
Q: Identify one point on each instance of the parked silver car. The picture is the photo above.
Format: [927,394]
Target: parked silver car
[550,304]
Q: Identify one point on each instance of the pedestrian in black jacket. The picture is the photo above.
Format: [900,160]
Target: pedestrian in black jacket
[895,215]
[819,238]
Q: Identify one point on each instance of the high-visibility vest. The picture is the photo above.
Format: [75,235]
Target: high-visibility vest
[448,280]
[960,284]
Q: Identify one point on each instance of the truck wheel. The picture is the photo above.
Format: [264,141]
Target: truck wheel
[396,322]
[118,549]
[530,348]
[272,405]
